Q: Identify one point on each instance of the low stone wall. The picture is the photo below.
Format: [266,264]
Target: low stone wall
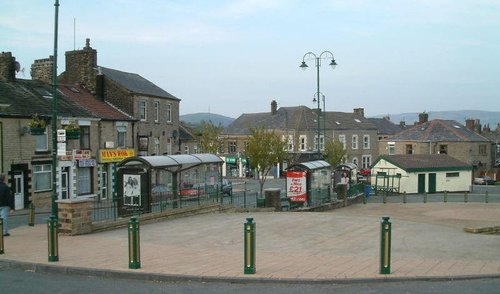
[159,216]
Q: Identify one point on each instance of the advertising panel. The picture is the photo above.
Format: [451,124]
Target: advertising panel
[296,186]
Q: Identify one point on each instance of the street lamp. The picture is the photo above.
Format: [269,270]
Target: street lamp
[303,66]
[54,116]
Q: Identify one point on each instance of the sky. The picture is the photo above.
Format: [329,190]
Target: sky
[234,57]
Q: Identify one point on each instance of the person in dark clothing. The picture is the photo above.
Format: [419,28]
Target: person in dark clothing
[6,204]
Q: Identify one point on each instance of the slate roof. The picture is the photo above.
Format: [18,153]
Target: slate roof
[23,98]
[135,83]
[186,133]
[96,107]
[299,118]
[385,126]
[347,121]
[438,130]
[420,162]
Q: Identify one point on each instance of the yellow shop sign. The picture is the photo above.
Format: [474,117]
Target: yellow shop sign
[114,155]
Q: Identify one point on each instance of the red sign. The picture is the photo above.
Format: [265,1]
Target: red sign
[296,186]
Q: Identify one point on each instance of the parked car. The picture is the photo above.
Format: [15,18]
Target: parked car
[227,187]
[484,180]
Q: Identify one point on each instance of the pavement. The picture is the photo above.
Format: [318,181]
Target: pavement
[338,246]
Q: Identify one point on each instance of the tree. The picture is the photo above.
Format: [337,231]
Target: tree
[265,149]
[210,138]
[334,153]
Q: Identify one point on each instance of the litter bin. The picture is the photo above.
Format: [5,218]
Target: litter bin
[273,198]
[341,190]
[368,189]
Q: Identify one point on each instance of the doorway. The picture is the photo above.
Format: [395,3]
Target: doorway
[421,183]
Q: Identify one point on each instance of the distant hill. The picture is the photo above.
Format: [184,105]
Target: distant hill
[196,119]
[486,117]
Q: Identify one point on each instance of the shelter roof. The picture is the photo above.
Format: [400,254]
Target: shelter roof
[171,162]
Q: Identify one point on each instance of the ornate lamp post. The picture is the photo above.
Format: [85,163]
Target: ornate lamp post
[303,66]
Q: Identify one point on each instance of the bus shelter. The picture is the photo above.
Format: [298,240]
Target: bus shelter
[144,182]
[309,182]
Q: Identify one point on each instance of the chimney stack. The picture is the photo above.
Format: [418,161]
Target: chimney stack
[274,107]
[41,69]
[423,118]
[359,111]
[81,67]
[7,67]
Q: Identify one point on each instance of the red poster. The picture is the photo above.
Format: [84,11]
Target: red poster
[296,186]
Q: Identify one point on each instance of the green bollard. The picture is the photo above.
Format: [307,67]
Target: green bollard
[404,197]
[31,215]
[2,251]
[445,199]
[53,236]
[364,199]
[466,197]
[249,232]
[385,246]
[486,196]
[425,197]
[134,250]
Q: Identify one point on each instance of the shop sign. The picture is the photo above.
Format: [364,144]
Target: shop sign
[115,155]
[231,160]
[296,186]
[87,163]
[81,154]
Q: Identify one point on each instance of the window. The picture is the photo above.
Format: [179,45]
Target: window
[354,141]
[443,149]
[231,147]
[290,143]
[42,142]
[121,135]
[409,149]
[342,140]
[366,141]
[169,112]
[391,147]
[143,110]
[321,142]
[186,149]
[195,149]
[452,175]
[84,181]
[157,146]
[482,149]
[42,175]
[303,142]
[104,183]
[84,137]
[157,111]
[366,161]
